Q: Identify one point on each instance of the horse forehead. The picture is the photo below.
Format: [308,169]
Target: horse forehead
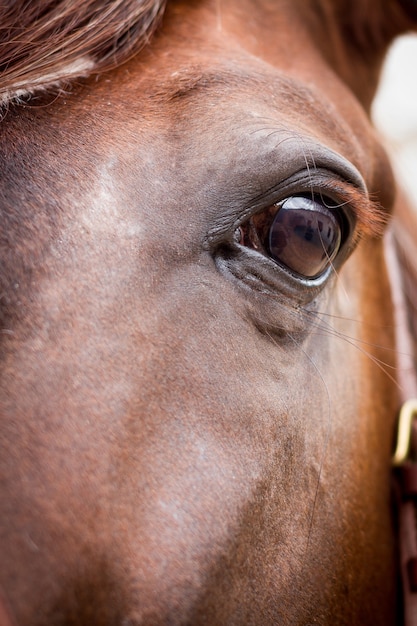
[218,78]
[215,79]
[256,94]
[170,134]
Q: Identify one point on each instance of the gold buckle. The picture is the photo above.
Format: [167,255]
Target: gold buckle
[405,421]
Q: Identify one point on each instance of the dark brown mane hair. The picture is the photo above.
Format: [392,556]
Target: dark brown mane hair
[45,42]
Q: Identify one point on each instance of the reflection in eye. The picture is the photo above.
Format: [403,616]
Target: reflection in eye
[301,234]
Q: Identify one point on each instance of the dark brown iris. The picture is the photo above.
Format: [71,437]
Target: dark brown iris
[301,234]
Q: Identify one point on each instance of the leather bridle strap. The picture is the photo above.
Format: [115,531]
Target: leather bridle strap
[405,455]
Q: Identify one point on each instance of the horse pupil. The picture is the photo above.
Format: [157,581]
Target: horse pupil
[304,236]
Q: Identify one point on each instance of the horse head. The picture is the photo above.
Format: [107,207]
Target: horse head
[198,350]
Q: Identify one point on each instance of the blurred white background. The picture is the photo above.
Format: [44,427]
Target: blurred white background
[395,111]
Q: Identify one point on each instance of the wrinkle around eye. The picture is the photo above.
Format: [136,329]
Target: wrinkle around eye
[275,303]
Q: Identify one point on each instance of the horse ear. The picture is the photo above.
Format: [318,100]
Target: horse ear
[405,233]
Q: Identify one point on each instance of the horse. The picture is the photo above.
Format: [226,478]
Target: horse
[199,366]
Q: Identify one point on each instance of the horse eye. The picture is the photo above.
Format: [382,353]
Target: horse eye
[301,234]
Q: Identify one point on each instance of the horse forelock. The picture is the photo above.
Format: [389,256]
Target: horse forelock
[45,44]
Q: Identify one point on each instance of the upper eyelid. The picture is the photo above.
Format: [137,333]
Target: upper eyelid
[297,185]
[284,168]
[370,217]
[332,191]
